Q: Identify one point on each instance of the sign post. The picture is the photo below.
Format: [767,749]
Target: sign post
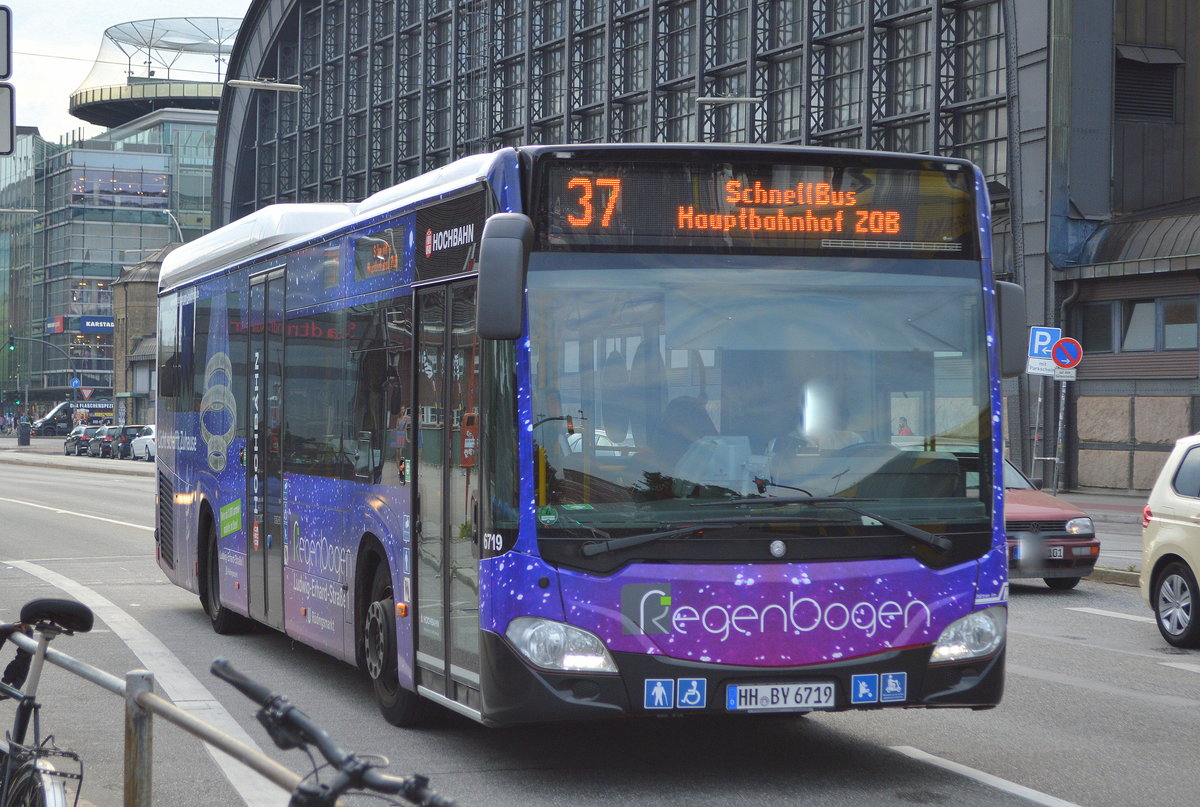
[1066,354]
[1051,354]
[1039,363]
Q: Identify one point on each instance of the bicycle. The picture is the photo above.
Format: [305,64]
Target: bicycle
[28,778]
[291,728]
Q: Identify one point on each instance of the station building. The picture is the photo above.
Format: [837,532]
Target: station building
[1079,113]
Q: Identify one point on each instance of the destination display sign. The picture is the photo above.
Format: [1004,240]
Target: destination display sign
[721,206]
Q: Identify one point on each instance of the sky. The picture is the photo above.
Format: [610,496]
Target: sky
[56,42]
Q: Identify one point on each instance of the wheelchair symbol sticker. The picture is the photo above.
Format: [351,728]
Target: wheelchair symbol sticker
[693,693]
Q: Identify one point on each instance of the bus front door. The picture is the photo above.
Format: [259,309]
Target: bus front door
[264,453]
[447,489]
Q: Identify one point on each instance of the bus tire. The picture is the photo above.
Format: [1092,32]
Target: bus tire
[399,706]
[224,621]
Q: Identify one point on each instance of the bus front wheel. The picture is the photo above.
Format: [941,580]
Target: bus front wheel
[400,706]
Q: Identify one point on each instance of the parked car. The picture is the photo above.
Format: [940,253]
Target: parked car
[1171,545]
[1047,537]
[101,443]
[123,440]
[144,445]
[77,441]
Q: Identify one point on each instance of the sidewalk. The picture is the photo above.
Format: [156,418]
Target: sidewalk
[1121,507]
[47,452]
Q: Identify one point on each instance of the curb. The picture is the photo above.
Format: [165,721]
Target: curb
[1115,576]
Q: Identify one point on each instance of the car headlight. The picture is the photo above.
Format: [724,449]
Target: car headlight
[558,646]
[1081,526]
[974,636]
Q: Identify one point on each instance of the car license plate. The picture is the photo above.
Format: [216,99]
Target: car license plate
[1054,552]
[780,697]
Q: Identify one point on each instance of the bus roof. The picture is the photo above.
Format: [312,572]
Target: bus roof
[274,226]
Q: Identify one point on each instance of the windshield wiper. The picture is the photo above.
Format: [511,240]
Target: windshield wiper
[923,537]
[612,545]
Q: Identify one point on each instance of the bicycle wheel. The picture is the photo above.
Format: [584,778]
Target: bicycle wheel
[32,787]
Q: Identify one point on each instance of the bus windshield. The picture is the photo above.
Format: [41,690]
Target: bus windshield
[663,381]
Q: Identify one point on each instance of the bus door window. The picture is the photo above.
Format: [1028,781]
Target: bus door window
[398,326]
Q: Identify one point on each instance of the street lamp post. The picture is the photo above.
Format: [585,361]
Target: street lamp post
[175,221]
[67,353]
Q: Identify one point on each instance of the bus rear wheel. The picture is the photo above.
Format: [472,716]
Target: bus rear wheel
[224,621]
[399,706]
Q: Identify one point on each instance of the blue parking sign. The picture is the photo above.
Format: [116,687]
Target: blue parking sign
[1041,340]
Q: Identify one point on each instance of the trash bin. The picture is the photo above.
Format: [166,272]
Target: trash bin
[22,434]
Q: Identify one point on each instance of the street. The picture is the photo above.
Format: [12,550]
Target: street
[1097,709]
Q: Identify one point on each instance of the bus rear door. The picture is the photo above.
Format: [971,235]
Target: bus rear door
[264,461]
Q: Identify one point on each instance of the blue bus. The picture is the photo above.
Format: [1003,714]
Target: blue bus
[568,432]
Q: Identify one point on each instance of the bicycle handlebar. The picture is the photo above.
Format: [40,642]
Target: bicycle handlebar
[291,728]
[251,689]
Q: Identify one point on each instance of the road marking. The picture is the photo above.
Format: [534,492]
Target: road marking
[1114,614]
[60,511]
[172,678]
[1181,665]
[1168,701]
[1035,796]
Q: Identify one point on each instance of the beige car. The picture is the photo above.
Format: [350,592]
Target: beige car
[1171,545]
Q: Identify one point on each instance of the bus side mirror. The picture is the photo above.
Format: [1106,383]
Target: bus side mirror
[503,260]
[1010,321]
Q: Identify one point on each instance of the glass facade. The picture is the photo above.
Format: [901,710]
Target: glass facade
[101,204]
[394,88]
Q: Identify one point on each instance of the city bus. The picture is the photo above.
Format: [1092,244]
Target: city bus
[570,432]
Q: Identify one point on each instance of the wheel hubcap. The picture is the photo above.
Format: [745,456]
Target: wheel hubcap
[378,638]
[1174,605]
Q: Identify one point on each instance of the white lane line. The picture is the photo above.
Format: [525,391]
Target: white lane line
[1035,796]
[172,678]
[1181,665]
[60,511]
[1110,690]
[1114,614]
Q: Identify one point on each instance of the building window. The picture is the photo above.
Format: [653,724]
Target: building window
[1144,83]
[1133,326]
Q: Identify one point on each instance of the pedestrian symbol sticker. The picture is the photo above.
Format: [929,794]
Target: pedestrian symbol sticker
[693,693]
[660,693]
[864,689]
[894,687]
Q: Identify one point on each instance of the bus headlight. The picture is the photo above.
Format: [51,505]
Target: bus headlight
[558,646]
[974,636]
[1081,526]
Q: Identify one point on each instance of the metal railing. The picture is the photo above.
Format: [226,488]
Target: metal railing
[141,704]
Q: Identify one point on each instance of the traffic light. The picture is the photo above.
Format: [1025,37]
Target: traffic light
[12,340]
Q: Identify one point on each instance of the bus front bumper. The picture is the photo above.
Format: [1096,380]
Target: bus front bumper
[515,692]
